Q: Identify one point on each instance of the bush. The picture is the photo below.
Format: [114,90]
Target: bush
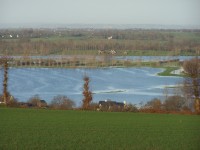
[174,103]
[131,108]
[12,102]
[94,106]
[35,101]
[62,102]
[154,104]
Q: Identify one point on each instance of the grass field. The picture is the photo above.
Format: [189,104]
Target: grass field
[57,129]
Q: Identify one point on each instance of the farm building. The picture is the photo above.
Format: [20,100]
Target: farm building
[111,105]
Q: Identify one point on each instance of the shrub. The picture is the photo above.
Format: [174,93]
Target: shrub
[94,106]
[62,102]
[131,108]
[11,101]
[174,103]
[35,101]
[154,104]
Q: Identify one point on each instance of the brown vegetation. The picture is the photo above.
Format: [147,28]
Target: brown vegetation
[192,81]
[4,61]
[172,104]
[86,93]
[62,102]
[36,101]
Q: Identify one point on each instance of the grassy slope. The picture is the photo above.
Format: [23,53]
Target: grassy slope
[50,129]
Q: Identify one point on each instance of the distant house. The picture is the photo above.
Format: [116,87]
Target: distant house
[24,105]
[101,51]
[110,37]
[125,52]
[39,104]
[2,102]
[42,103]
[113,52]
[111,105]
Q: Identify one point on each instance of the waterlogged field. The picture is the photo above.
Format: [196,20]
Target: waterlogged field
[56,129]
[133,85]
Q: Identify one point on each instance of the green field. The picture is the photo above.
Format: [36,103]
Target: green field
[57,129]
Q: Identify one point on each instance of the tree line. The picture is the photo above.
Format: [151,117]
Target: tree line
[60,41]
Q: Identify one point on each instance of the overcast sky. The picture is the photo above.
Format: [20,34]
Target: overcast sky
[166,12]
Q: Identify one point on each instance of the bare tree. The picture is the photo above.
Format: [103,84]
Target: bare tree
[62,102]
[35,101]
[4,61]
[86,93]
[154,104]
[192,81]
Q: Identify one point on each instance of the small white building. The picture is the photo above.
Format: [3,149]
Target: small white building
[110,37]
[113,52]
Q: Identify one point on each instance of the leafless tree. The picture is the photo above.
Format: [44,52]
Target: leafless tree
[34,101]
[86,93]
[4,61]
[192,81]
[62,102]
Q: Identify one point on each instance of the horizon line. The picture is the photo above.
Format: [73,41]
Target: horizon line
[99,25]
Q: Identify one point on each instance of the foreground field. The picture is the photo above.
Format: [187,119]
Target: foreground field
[51,129]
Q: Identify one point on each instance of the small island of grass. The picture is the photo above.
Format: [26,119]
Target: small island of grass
[168,72]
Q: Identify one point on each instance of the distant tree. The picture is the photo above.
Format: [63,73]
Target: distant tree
[4,61]
[86,93]
[35,101]
[192,81]
[62,102]
[154,104]
[165,92]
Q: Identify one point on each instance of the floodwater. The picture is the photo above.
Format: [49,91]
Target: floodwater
[153,58]
[133,85]
[100,57]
